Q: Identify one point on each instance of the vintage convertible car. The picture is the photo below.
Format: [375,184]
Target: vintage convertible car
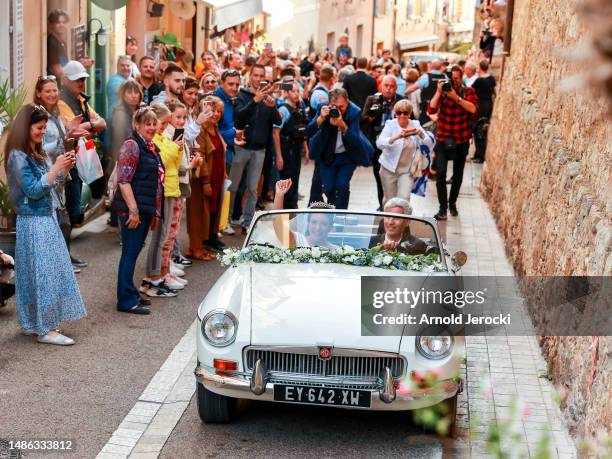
[283,324]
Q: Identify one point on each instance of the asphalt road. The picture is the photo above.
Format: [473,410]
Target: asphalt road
[83,392]
[281,430]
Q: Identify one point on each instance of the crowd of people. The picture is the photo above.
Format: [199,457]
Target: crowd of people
[178,137]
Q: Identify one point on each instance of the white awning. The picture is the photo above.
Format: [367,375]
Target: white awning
[228,13]
[418,42]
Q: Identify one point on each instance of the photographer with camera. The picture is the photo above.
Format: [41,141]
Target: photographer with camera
[455,105]
[290,141]
[256,113]
[319,96]
[377,109]
[338,145]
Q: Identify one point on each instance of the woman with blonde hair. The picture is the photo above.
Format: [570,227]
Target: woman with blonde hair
[405,146]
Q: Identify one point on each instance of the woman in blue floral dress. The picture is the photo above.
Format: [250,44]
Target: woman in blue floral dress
[47,292]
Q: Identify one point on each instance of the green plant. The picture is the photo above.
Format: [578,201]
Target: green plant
[11,100]
[548,374]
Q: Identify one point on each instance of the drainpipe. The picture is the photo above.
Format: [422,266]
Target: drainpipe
[373,23]
[508,32]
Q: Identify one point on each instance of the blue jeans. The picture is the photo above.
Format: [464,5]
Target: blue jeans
[132,243]
[337,179]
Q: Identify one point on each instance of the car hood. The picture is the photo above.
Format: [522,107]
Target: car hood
[313,305]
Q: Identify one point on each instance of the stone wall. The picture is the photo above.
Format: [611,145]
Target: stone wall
[547,179]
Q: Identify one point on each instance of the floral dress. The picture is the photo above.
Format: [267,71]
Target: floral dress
[46,289]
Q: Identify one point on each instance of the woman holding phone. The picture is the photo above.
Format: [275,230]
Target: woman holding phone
[55,142]
[403,143]
[46,290]
[204,204]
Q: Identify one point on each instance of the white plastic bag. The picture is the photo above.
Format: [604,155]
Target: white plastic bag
[88,162]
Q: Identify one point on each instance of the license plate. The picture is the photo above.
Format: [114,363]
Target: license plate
[322,395]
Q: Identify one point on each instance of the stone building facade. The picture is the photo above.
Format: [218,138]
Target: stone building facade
[548,181]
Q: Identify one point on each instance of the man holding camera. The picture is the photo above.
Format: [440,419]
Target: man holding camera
[339,146]
[290,141]
[455,104]
[256,113]
[319,96]
[377,109]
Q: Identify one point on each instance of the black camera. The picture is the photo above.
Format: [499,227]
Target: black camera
[334,112]
[447,86]
[378,106]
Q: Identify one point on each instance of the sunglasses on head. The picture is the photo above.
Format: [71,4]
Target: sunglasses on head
[400,113]
[230,73]
[47,78]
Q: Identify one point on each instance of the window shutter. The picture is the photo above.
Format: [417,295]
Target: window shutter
[5,52]
[17,43]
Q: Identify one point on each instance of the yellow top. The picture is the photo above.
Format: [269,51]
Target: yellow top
[66,113]
[170,154]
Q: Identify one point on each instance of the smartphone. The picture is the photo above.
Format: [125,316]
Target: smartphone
[286,86]
[70,144]
[178,134]
[263,84]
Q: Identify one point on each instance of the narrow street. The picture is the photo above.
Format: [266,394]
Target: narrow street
[138,396]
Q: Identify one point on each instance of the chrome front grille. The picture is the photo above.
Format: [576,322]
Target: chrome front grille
[366,367]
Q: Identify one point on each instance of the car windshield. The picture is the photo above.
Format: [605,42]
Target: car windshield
[330,230]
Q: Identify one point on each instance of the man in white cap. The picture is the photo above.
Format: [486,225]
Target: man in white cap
[74,103]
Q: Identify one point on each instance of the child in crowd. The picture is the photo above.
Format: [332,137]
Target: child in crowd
[155,284]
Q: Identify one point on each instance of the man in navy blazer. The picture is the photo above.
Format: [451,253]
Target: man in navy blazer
[337,142]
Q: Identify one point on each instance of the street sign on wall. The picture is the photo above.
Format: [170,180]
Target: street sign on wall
[79,42]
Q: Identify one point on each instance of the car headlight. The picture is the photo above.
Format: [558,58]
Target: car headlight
[219,327]
[435,347]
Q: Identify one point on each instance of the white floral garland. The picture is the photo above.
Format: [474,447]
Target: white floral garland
[346,255]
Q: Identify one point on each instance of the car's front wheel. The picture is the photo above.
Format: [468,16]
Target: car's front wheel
[215,408]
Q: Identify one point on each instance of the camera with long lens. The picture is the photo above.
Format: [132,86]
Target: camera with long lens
[447,85]
[377,107]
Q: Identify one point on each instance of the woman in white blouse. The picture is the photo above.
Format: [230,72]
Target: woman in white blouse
[402,159]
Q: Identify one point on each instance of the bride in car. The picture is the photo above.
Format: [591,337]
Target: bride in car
[318,228]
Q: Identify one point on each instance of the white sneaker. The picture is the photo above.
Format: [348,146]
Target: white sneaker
[229,230]
[219,235]
[176,270]
[173,284]
[59,340]
[236,222]
[179,279]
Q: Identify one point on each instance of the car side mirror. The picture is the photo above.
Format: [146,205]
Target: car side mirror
[458,260]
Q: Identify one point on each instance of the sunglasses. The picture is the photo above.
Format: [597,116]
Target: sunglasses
[47,78]
[400,113]
[230,73]
[210,82]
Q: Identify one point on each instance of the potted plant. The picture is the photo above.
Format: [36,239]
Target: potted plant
[11,100]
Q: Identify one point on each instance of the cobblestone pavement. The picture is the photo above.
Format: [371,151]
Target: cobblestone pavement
[500,372]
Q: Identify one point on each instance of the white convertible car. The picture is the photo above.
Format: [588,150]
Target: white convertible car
[283,323]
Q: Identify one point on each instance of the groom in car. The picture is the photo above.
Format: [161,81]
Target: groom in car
[397,235]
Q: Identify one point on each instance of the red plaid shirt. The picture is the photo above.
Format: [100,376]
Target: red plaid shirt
[453,120]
